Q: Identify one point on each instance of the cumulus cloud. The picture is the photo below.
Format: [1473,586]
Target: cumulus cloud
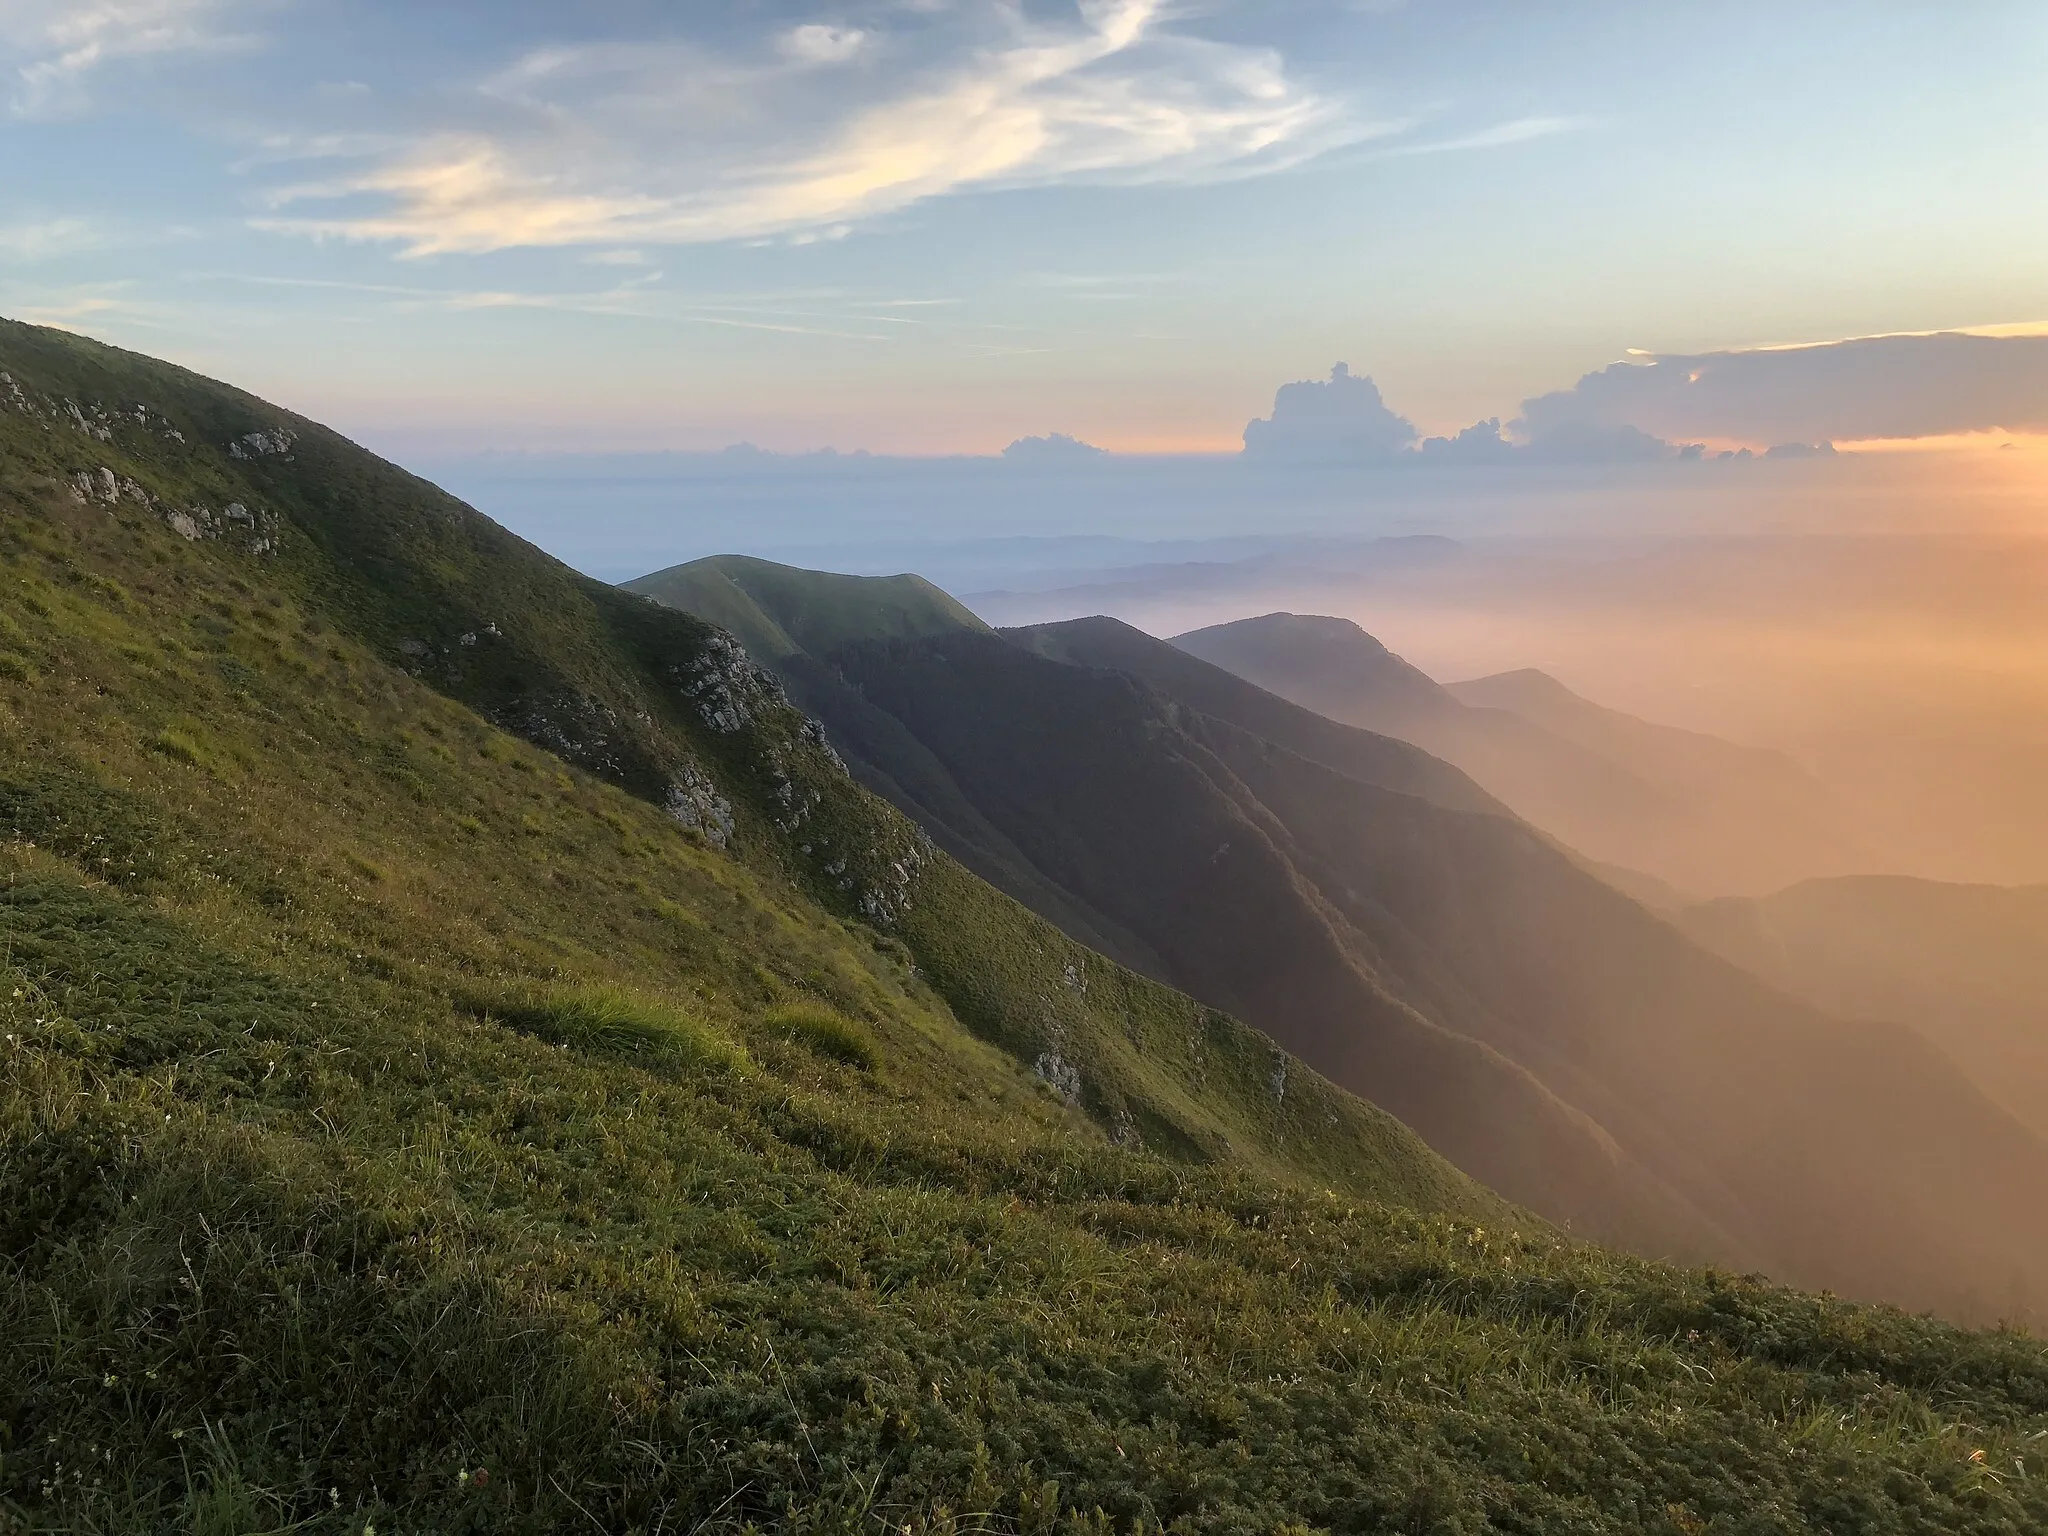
[816,43]
[1869,387]
[821,127]
[1481,443]
[56,45]
[1558,438]
[1339,420]
[1051,451]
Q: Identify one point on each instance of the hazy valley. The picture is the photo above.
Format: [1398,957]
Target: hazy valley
[465,1018]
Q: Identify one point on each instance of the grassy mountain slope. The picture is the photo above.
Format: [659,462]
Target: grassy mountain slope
[1964,965]
[1547,1034]
[1140,815]
[1702,814]
[756,599]
[1075,792]
[666,708]
[406,1128]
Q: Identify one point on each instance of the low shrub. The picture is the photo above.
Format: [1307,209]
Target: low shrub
[178,746]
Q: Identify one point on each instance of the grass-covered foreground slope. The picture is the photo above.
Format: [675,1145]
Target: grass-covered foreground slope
[147,464]
[401,1129]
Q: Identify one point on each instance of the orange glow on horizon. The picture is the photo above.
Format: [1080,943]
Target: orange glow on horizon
[2023,445]
[1112,443]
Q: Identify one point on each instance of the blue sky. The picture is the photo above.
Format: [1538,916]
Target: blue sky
[936,225]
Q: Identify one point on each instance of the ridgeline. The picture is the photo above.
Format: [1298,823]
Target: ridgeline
[475,1061]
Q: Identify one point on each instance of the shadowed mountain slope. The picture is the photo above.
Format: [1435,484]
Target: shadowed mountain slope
[407,1126]
[1363,755]
[1964,965]
[1545,1032]
[1705,815]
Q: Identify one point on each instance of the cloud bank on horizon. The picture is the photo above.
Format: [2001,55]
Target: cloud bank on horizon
[1792,401]
[1867,387]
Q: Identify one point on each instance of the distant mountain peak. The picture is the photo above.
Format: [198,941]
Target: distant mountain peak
[1296,626]
[778,610]
[1525,683]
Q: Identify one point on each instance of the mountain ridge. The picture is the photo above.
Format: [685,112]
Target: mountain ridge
[1964,966]
[746,592]
[1342,916]
[413,1121]
[1702,815]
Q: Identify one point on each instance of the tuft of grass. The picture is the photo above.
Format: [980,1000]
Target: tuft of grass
[613,1022]
[178,746]
[826,1031]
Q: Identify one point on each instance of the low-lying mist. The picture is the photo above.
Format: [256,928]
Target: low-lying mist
[1881,618]
[1907,672]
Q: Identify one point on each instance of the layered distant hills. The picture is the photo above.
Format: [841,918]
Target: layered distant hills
[1380,914]
[472,1058]
[1965,965]
[1696,813]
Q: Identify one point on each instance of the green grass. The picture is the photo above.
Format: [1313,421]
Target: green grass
[293,1235]
[777,610]
[610,1021]
[826,1031]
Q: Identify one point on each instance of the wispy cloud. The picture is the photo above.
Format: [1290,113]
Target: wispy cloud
[630,301]
[42,239]
[1519,130]
[56,45]
[822,129]
[75,305]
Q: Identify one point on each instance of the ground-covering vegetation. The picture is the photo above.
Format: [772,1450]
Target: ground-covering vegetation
[406,1128]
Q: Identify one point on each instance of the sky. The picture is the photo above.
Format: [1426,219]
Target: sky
[934,226]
